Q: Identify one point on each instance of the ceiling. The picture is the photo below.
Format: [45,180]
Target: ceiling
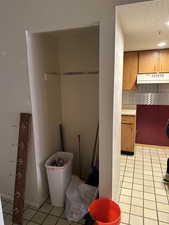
[144,24]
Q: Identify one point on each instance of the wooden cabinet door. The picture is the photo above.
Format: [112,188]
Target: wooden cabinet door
[127,137]
[130,70]
[164,61]
[149,61]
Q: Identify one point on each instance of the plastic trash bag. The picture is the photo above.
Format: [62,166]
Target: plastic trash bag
[78,197]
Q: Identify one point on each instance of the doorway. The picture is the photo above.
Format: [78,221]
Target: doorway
[144,197]
[64,83]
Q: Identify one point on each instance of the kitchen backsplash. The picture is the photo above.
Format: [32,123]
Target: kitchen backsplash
[148,94]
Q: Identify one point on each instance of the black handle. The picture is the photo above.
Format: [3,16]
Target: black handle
[89,220]
[167,129]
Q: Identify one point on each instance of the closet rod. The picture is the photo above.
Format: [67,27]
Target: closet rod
[79,73]
[71,73]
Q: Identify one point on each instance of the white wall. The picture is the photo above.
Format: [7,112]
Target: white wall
[118,77]
[80,116]
[46,110]
[41,15]
[78,51]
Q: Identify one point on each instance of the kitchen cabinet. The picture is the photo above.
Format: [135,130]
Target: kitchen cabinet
[149,61]
[128,134]
[130,70]
[164,61]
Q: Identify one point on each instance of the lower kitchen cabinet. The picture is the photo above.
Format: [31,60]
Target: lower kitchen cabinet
[128,131]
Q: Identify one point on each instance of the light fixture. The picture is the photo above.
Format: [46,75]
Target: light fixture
[167,23]
[161,44]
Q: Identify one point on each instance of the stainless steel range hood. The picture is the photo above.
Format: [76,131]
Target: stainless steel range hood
[157,78]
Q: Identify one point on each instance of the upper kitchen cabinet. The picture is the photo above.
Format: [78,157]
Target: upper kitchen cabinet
[130,70]
[149,61]
[164,61]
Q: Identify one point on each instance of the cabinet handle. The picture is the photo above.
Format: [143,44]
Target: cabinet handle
[154,68]
[161,68]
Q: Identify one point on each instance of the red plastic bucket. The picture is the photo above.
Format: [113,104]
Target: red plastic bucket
[105,211]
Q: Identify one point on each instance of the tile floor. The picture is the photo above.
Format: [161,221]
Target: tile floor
[144,200]
[46,215]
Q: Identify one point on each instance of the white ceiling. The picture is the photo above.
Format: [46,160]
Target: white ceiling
[142,22]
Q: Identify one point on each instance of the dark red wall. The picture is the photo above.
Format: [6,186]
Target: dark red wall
[151,124]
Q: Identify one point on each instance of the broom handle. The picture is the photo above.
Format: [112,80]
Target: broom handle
[95,145]
[61,137]
[80,168]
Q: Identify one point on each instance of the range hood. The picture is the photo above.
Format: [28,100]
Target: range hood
[156,78]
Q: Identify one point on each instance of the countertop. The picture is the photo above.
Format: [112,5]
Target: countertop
[128,112]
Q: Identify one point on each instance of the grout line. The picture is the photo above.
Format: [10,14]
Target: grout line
[143,187]
[154,191]
[132,188]
[121,186]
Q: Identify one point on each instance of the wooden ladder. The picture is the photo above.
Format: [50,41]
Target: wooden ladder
[20,179]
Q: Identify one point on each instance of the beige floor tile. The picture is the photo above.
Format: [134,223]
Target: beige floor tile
[162,199]
[32,223]
[138,181]
[136,220]
[159,185]
[164,217]
[136,210]
[125,199]
[137,194]
[161,223]
[149,196]
[157,179]
[50,220]
[127,185]
[57,211]
[137,202]
[125,217]
[148,172]
[147,177]
[150,222]
[46,208]
[149,204]
[148,167]
[148,183]
[128,174]
[163,207]
[39,217]
[137,187]
[125,207]
[149,189]
[160,192]
[157,174]
[29,213]
[128,179]
[151,214]
[25,222]
[63,222]
[126,192]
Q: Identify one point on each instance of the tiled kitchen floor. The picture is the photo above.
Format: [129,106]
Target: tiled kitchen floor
[144,200]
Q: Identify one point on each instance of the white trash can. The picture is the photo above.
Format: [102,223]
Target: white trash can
[59,177]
